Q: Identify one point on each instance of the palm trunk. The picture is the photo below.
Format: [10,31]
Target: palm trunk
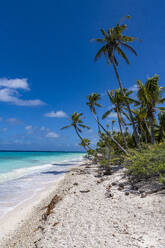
[152,130]
[111,137]
[145,137]
[99,131]
[121,130]
[147,128]
[81,139]
[128,107]
[148,133]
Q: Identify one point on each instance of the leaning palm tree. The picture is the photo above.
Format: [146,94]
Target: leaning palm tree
[92,103]
[150,95]
[77,123]
[118,101]
[113,43]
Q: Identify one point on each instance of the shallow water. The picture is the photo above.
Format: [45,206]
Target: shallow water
[22,174]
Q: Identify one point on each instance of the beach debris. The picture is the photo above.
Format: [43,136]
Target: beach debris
[51,206]
[134,187]
[109,194]
[75,184]
[100,181]
[126,193]
[99,173]
[143,195]
[35,242]
[85,191]
[55,223]
[114,183]
[39,228]
[121,186]
[109,187]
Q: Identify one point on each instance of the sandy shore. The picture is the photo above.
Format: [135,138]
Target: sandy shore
[95,212]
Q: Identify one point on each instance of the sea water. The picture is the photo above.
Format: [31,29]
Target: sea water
[22,174]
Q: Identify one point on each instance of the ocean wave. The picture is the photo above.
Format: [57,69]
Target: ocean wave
[21,172]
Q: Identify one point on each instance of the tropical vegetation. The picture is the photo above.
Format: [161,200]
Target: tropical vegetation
[138,139]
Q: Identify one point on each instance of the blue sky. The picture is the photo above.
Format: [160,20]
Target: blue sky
[47,64]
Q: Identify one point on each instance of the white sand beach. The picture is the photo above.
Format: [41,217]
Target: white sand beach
[94,212]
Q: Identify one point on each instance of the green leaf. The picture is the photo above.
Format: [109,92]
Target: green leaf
[84,126]
[122,54]
[106,114]
[66,127]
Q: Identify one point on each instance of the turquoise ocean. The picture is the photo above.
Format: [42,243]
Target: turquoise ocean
[22,174]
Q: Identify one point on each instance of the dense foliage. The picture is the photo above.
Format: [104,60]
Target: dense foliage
[140,116]
[147,163]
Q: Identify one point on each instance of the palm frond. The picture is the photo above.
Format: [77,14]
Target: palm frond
[66,126]
[128,47]
[106,114]
[84,126]
[99,40]
[103,32]
[161,109]
[122,54]
[100,53]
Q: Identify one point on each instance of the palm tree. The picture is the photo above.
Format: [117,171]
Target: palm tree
[77,124]
[149,95]
[113,41]
[92,102]
[113,122]
[85,143]
[118,101]
[161,128]
[142,123]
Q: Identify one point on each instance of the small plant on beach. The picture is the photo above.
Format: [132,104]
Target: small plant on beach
[105,164]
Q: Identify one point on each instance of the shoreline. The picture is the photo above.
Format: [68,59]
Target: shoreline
[12,219]
[34,183]
[92,213]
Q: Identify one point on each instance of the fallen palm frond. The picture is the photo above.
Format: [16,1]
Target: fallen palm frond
[51,206]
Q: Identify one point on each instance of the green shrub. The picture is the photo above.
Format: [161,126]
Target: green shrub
[148,162]
[106,166]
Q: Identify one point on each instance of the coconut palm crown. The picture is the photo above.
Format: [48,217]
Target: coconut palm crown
[150,95]
[113,43]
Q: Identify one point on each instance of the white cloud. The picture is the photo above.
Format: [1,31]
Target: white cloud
[13,120]
[43,128]
[58,114]
[9,92]
[90,130]
[112,115]
[52,135]
[133,88]
[28,128]
[16,83]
